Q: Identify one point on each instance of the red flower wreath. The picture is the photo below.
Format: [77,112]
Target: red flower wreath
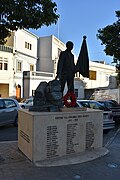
[69,96]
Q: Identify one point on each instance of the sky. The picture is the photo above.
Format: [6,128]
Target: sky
[79,18]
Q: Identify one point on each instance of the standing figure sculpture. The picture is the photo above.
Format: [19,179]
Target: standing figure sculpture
[66,68]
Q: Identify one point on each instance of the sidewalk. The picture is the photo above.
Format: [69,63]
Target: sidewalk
[15,166]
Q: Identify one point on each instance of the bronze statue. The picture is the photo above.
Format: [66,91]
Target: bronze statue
[66,68]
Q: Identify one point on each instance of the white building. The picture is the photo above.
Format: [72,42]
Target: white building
[19,54]
[6,71]
[26,60]
[101,75]
[49,49]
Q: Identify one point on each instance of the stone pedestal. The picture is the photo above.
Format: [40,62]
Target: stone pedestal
[49,136]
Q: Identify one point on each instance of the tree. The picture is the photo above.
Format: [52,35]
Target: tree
[110,37]
[27,14]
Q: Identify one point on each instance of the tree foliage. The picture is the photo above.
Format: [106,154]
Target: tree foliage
[27,14]
[110,37]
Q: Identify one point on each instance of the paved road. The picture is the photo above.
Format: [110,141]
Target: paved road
[15,166]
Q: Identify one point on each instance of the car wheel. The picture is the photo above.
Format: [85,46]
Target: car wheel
[16,122]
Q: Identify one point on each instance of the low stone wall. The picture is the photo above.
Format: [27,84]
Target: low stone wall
[46,136]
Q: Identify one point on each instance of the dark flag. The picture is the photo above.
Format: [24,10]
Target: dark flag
[83,60]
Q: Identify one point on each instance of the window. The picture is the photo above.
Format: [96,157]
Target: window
[28,46]
[25,44]
[76,92]
[84,104]
[31,67]
[92,75]
[19,66]
[33,92]
[3,63]
[9,103]
[2,104]
[5,66]
[107,78]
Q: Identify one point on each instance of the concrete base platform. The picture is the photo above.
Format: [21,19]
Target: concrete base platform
[74,159]
[61,138]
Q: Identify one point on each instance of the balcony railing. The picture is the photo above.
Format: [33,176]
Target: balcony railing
[44,74]
[6,48]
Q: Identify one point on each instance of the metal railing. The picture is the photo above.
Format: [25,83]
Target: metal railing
[44,74]
[6,48]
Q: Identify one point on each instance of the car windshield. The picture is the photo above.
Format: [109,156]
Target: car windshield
[9,103]
[96,105]
[115,102]
[90,104]
[108,104]
[84,104]
[2,104]
[111,104]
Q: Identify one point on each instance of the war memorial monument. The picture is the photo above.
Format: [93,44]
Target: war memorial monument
[53,132]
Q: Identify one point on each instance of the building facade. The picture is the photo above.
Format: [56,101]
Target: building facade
[49,49]
[18,55]
[26,60]
[101,76]
[6,71]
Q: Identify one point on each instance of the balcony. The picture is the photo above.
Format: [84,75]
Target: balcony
[44,74]
[6,48]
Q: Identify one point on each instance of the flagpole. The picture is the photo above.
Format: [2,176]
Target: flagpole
[58,28]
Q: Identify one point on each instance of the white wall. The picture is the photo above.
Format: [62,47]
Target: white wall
[26,61]
[48,53]
[26,56]
[33,79]
[78,84]
[22,36]
[45,54]
[103,74]
[6,76]
[56,45]
[20,53]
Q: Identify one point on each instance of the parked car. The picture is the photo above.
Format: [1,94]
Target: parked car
[108,122]
[9,111]
[114,107]
[115,102]
[27,103]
